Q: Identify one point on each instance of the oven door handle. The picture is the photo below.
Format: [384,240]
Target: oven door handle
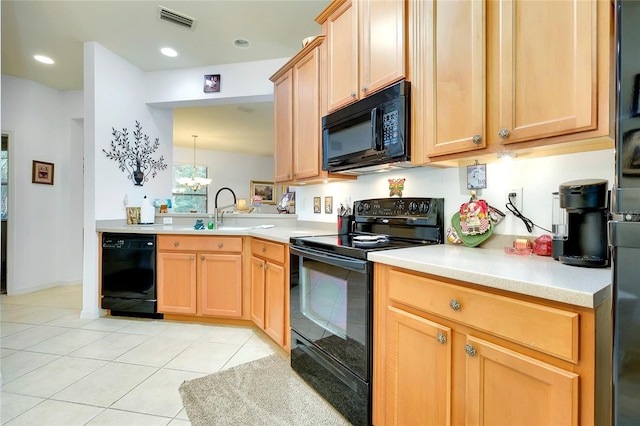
[331,259]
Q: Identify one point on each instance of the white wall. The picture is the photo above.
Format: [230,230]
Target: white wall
[538,177]
[45,230]
[228,169]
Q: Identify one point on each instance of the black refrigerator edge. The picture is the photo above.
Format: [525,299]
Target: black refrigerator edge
[624,228]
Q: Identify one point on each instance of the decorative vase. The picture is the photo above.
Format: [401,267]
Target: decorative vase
[138,176]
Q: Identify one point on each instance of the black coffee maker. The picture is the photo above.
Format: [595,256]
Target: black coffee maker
[580,216]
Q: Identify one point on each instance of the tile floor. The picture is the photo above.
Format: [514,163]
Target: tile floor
[58,369]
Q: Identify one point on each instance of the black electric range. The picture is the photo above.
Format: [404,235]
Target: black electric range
[383,224]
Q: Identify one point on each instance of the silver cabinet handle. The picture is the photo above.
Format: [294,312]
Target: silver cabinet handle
[455,305]
[260,265]
[192,257]
[470,350]
[477,139]
[264,249]
[220,245]
[176,244]
[201,257]
[353,94]
[364,89]
[266,267]
[441,338]
[503,133]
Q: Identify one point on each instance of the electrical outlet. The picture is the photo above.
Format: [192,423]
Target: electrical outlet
[517,200]
[167,220]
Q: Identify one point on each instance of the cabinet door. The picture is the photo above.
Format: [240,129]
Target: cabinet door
[257,291]
[342,56]
[221,282]
[505,387]
[306,116]
[382,58]
[447,67]
[543,68]
[418,370]
[176,283]
[275,302]
[283,123]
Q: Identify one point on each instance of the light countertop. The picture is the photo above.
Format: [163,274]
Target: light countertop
[537,276]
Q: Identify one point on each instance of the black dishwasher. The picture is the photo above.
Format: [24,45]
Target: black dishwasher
[129,274]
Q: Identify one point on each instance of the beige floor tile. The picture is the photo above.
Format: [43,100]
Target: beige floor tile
[70,341]
[203,357]
[23,362]
[9,328]
[229,334]
[53,377]
[42,315]
[247,354]
[186,331]
[106,385]
[12,405]
[71,321]
[111,417]
[145,327]
[182,415]
[110,346]
[56,413]
[108,324]
[155,352]
[6,352]
[157,395]
[31,336]
[259,339]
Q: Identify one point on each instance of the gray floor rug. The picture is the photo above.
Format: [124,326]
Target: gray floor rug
[262,392]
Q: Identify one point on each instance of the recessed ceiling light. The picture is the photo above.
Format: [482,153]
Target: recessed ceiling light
[44,59]
[167,51]
[241,43]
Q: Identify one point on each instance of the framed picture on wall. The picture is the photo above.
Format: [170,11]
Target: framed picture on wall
[264,190]
[212,83]
[42,172]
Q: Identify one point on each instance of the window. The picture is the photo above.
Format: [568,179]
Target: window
[185,200]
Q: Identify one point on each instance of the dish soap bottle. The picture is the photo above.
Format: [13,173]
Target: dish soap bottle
[210,224]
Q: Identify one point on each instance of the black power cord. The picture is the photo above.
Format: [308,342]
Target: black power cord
[527,222]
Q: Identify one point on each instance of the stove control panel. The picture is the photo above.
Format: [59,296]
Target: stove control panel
[398,207]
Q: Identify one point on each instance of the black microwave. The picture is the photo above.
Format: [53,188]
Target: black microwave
[373,131]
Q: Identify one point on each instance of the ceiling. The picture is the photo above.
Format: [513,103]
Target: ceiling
[134,31]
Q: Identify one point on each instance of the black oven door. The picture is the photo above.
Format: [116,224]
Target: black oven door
[331,328]
[331,306]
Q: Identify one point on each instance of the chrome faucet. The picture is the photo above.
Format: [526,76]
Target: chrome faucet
[215,206]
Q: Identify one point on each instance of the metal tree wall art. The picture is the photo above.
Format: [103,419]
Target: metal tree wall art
[135,158]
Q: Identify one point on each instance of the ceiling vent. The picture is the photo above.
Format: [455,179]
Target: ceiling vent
[176,17]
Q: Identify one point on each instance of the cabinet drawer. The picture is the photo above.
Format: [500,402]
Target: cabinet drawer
[209,243]
[550,330]
[267,250]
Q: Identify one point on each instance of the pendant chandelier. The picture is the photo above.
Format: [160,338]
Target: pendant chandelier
[194,183]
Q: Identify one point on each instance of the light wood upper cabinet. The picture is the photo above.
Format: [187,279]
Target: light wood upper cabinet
[543,74]
[297,119]
[508,75]
[365,48]
[447,47]
[283,125]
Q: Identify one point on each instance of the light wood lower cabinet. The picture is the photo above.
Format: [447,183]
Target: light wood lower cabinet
[448,352]
[270,289]
[200,275]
